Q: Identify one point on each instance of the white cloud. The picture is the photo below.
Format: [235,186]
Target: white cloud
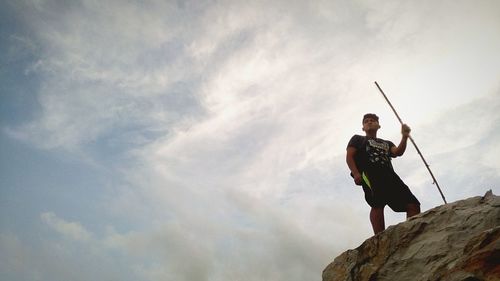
[105,67]
[72,230]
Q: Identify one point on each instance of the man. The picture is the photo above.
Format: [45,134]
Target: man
[369,159]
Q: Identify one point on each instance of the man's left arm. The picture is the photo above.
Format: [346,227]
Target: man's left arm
[401,148]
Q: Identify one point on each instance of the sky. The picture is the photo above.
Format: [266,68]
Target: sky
[205,140]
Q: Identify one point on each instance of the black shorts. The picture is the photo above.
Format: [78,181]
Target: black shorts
[385,187]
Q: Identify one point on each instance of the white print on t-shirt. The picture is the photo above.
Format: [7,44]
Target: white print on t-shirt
[378,152]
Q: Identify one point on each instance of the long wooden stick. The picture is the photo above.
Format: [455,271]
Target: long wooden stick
[412,141]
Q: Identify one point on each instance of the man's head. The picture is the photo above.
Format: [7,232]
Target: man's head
[370,122]
[370,115]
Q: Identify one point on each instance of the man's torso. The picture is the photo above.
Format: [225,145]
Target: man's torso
[371,153]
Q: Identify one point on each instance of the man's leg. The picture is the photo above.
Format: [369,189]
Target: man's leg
[412,209]
[377,219]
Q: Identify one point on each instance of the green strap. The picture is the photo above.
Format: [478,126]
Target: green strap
[367,181]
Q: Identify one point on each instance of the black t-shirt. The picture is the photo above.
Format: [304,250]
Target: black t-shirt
[371,153]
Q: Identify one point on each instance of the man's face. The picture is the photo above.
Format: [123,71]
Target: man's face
[370,124]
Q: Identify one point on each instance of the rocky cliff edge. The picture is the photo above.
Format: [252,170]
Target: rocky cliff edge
[458,241]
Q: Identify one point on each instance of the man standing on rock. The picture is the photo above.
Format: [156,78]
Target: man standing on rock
[369,159]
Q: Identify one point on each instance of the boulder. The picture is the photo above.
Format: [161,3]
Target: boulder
[457,241]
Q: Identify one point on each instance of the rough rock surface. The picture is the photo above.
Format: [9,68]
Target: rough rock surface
[458,241]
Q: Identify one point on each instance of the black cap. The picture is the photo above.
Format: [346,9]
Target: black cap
[370,115]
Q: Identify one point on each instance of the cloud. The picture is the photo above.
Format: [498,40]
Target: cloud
[469,145]
[72,230]
[49,258]
[131,84]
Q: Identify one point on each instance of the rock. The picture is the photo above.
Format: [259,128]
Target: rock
[454,242]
